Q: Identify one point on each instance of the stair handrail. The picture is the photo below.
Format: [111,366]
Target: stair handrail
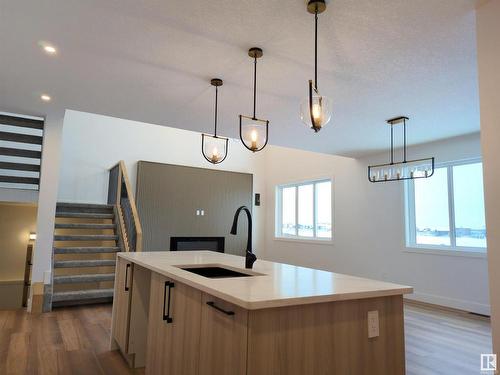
[121,196]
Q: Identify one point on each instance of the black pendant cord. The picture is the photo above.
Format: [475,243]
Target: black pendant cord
[254,86]
[316,50]
[216,95]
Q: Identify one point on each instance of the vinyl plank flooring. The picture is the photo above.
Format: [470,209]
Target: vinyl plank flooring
[17,356]
[444,342]
[112,363]
[75,340]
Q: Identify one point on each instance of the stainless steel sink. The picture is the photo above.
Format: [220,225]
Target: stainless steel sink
[216,272]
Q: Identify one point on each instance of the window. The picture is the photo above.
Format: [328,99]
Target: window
[304,210]
[446,211]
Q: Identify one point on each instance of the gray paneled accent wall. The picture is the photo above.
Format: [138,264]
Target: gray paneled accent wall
[169,195]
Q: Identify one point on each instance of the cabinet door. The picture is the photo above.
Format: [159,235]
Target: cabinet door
[173,328]
[121,303]
[223,345]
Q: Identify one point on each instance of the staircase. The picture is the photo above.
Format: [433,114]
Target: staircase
[86,240]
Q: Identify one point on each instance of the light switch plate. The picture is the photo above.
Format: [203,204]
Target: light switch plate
[373,324]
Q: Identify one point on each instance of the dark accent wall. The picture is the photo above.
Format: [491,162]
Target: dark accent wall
[168,197]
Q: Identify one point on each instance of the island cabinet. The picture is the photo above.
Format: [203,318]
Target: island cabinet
[194,333]
[273,322]
[173,328]
[130,311]
[223,339]
[121,303]
[191,333]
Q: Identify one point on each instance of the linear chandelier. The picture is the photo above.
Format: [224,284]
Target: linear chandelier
[402,170]
[214,147]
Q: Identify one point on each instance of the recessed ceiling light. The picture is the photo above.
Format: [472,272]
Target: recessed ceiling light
[45,98]
[51,50]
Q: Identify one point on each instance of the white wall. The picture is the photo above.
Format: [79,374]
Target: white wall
[49,178]
[369,218]
[488,52]
[92,144]
[369,227]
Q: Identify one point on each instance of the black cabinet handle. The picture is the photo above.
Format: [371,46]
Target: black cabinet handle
[126,277]
[169,285]
[227,312]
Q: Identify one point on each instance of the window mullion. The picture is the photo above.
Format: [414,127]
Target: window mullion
[411,220]
[314,203]
[279,210]
[451,208]
[296,211]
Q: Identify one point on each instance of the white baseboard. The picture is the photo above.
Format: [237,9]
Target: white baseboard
[470,306]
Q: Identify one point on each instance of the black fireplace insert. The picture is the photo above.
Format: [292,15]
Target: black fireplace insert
[197,243]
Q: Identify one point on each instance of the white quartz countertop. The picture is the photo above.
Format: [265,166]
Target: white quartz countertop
[277,285]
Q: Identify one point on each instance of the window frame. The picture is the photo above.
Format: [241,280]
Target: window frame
[278,234]
[453,249]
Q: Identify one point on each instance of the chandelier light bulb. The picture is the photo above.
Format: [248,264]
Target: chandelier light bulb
[215,155]
[316,112]
[254,136]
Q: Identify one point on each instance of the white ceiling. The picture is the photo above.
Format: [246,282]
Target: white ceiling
[152,61]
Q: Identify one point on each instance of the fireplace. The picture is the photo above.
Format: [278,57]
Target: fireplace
[197,243]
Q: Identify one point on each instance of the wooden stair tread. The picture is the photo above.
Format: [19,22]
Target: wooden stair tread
[87,278]
[86,250]
[85,215]
[84,263]
[84,226]
[85,237]
[84,205]
[82,294]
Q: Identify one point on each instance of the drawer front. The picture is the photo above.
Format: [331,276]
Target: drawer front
[223,343]
[173,328]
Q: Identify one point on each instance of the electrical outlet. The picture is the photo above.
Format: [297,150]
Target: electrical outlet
[373,326]
[202,212]
[197,212]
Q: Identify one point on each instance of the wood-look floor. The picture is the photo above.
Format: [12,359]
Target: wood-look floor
[444,342]
[75,341]
[68,341]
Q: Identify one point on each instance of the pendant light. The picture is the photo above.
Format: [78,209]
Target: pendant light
[315,110]
[253,131]
[403,170]
[213,147]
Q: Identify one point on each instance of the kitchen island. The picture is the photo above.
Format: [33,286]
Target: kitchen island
[201,312]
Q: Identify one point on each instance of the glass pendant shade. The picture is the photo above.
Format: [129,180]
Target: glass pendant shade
[253,133]
[214,148]
[315,110]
